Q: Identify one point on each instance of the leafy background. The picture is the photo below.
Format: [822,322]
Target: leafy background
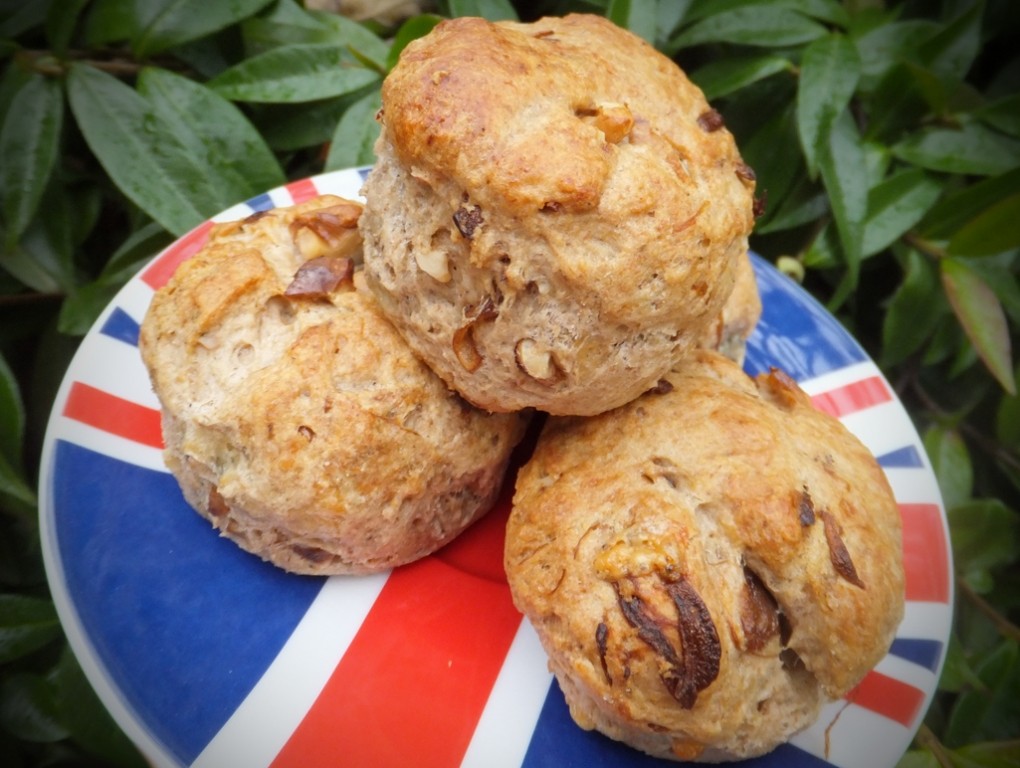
[886,140]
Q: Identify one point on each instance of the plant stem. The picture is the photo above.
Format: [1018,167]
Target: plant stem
[1005,627]
[927,739]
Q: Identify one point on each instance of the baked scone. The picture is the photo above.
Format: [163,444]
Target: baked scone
[555,215]
[707,565]
[295,418]
[729,331]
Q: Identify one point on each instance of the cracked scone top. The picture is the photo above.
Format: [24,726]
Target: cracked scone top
[556,213]
[707,565]
[295,418]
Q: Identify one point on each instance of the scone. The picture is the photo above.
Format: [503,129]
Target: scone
[729,331]
[295,418]
[707,565]
[556,214]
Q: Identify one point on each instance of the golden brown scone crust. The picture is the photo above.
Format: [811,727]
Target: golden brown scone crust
[556,213]
[304,428]
[729,331]
[708,564]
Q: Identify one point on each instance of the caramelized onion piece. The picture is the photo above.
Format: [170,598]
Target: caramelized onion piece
[838,553]
[710,121]
[759,612]
[317,278]
[601,641]
[467,220]
[702,649]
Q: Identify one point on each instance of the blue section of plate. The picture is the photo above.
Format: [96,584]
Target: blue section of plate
[796,330]
[210,617]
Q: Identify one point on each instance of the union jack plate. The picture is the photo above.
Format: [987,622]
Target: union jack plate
[207,656]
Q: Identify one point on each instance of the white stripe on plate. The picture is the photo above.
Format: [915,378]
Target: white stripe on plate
[913,485]
[926,621]
[260,727]
[116,368]
[836,737]
[114,446]
[882,428]
[508,720]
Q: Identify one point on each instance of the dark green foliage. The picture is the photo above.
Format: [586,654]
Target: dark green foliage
[885,137]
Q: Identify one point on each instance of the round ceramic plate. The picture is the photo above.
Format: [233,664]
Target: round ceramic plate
[207,656]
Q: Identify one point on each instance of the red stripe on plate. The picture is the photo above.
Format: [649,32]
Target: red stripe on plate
[925,556]
[302,190]
[411,687]
[853,397]
[162,269]
[888,697]
[113,414]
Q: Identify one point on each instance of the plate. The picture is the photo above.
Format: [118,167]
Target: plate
[207,656]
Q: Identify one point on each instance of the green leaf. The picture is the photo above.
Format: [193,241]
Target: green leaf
[493,10]
[12,416]
[884,46]
[150,167]
[61,22]
[639,16]
[830,11]
[25,17]
[895,205]
[913,315]
[353,142]
[29,141]
[950,460]
[355,37]
[1002,114]
[961,206]
[829,71]
[28,708]
[766,26]
[970,149]
[412,29]
[293,74]
[238,163]
[773,152]
[723,76]
[984,535]
[950,52]
[845,176]
[988,754]
[109,21]
[994,230]
[805,203]
[918,758]
[162,24]
[980,313]
[668,18]
[26,624]
[989,713]
[87,720]
[14,487]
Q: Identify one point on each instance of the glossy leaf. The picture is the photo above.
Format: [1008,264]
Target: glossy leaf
[14,486]
[844,173]
[493,10]
[412,29]
[950,52]
[1002,114]
[896,205]
[12,415]
[959,207]
[765,26]
[883,47]
[971,149]
[990,713]
[988,754]
[86,719]
[639,16]
[722,77]
[163,24]
[61,22]
[994,230]
[29,709]
[950,460]
[238,163]
[773,153]
[830,11]
[980,313]
[913,314]
[109,21]
[26,624]
[829,71]
[293,74]
[29,141]
[352,143]
[150,167]
[355,37]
